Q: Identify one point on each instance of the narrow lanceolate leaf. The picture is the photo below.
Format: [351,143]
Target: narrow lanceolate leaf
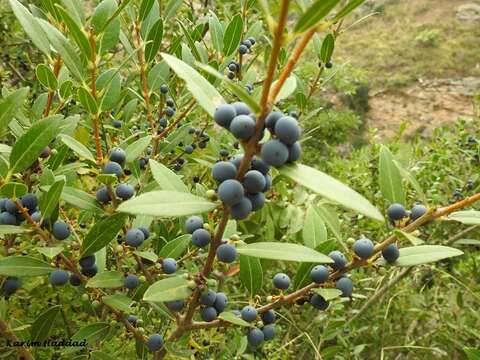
[10,105]
[12,229]
[232,86]
[328,45]
[166,204]
[251,274]
[65,49]
[31,26]
[87,100]
[102,233]
[330,218]
[390,180]
[169,289]
[216,32]
[423,254]
[331,189]
[154,40]
[28,147]
[283,251]
[233,319]
[302,275]
[50,200]
[77,147]
[135,149]
[232,35]
[46,77]
[314,231]
[76,32]
[145,7]
[347,9]
[314,14]
[107,280]
[408,176]
[166,178]
[42,325]
[23,266]
[80,199]
[288,88]
[467,217]
[92,333]
[407,236]
[176,247]
[148,255]
[205,93]
[118,302]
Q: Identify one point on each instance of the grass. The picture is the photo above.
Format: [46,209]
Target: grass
[411,40]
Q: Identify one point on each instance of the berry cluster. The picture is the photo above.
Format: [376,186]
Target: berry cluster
[123,191]
[212,304]
[11,215]
[397,213]
[266,330]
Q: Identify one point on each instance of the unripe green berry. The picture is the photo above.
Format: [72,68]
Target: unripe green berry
[95,304]
[211,194]
[85,297]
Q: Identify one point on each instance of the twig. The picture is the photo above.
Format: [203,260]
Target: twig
[56,69]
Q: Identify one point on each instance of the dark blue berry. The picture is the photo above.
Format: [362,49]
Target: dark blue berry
[124,191]
[319,302]
[114,168]
[193,223]
[391,253]
[255,337]
[155,342]
[319,274]
[221,302]
[249,313]
[208,314]
[345,285]
[254,181]
[169,265]
[363,248]
[242,209]
[281,281]
[208,297]
[61,230]
[58,277]
[131,281]
[274,152]
[287,130]
[226,253]
[102,195]
[339,260]
[224,170]
[118,155]
[134,237]
[201,238]
[230,192]
[268,317]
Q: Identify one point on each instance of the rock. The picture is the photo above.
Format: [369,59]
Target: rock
[468,12]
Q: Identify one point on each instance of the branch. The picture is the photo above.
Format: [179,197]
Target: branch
[93,91]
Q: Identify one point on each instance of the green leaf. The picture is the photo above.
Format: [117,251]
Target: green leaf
[216,32]
[80,199]
[251,273]
[169,289]
[50,252]
[331,189]
[149,255]
[43,324]
[31,27]
[66,89]
[106,279]
[233,87]
[166,178]
[13,190]
[102,233]
[101,15]
[50,200]
[92,333]
[135,149]
[23,266]
[231,318]
[158,75]
[87,100]
[166,204]
[176,247]
[10,105]
[287,89]
[411,238]
[118,302]
[65,49]
[154,40]
[330,219]
[407,175]
[327,293]
[232,35]
[205,93]
[145,8]
[283,251]
[110,83]
[467,217]
[76,32]
[77,147]
[314,14]
[28,147]
[347,9]
[389,179]
[314,231]
[46,77]
[12,229]
[326,51]
[423,254]
[467,242]
[172,8]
